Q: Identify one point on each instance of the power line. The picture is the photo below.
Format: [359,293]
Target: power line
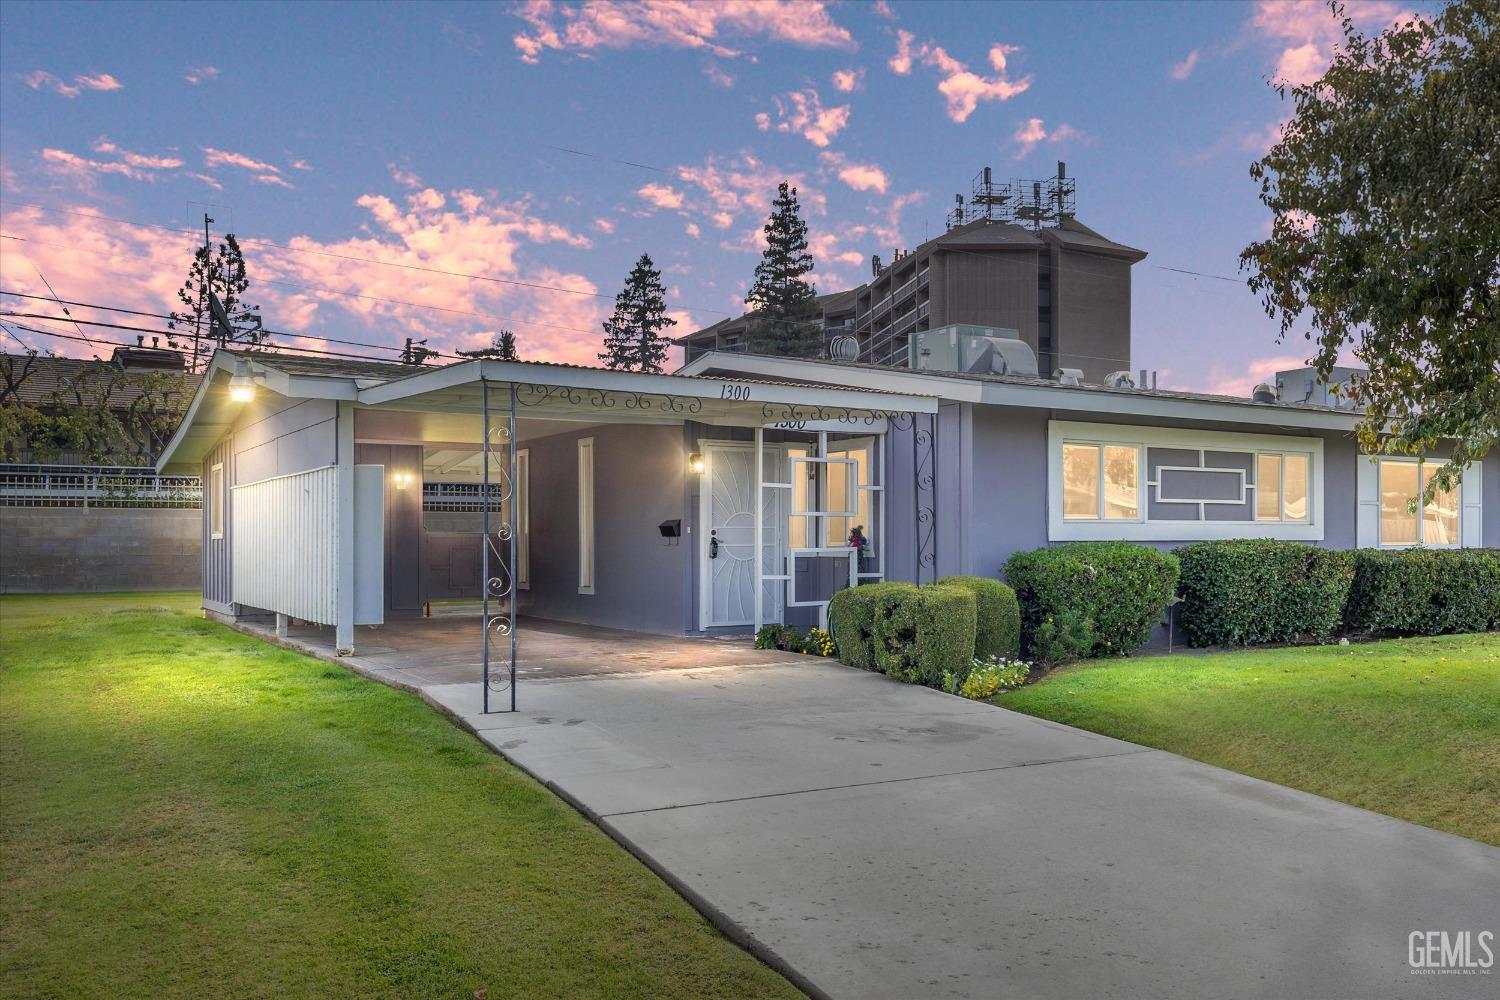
[1198,274]
[17,338]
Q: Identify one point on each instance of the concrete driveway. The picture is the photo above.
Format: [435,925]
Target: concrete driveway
[883,840]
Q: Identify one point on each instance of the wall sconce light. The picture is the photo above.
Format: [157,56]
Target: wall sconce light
[401,480]
[242,383]
[695,463]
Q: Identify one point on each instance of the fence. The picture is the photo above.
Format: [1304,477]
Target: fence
[95,486]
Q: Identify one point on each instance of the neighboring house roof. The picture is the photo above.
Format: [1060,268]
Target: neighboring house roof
[46,375]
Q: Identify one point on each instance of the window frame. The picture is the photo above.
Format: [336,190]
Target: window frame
[1421,463]
[1099,505]
[1282,455]
[1146,529]
[218,486]
[586,491]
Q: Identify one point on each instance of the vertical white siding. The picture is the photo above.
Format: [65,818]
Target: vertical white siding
[285,544]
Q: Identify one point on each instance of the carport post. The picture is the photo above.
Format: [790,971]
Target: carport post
[758,560]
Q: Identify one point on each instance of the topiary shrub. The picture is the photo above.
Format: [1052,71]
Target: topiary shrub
[925,633]
[1424,591]
[1117,589]
[998,632]
[851,619]
[1250,590]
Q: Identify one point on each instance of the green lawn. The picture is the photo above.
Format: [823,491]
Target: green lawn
[1409,727]
[185,811]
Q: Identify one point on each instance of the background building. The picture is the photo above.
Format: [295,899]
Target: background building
[1015,259]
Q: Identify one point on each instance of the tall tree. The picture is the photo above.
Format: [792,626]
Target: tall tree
[219,272]
[1385,186]
[784,303]
[502,348]
[635,336]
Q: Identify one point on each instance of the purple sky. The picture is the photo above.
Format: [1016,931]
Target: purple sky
[449,171]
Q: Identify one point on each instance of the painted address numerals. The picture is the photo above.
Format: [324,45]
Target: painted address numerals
[733,391]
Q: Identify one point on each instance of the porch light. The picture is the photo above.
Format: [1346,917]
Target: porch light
[695,463]
[401,479]
[242,384]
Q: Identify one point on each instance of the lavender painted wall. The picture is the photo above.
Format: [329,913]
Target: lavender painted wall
[639,473]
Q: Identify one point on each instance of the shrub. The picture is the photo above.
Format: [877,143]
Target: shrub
[989,676]
[851,619]
[922,633]
[1120,589]
[1063,639]
[783,637]
[1424,591]
[998,632]
[1252,590]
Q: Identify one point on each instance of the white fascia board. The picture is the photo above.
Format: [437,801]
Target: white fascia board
[899,380]
[1166,407]
[605,380]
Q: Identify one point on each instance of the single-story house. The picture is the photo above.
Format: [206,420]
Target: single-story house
[351,493]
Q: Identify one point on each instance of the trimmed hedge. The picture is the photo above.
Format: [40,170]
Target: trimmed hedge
[1251,590]
[998,632]
[920,634]
[851,619]
[1120,588]
[1424,591]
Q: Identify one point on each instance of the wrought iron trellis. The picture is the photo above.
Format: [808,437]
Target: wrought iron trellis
[924,456]
[499,567]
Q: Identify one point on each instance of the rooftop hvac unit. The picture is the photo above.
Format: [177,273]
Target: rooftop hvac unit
[1068,376]
[1000,356]
[1119,380]
[1263,393]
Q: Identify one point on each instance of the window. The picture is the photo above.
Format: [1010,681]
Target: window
[216,500]
[1402,482]
[585,515]
[1281,486]
[523,519]
[1101,481]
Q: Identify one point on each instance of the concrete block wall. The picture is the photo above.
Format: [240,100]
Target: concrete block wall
[59,550]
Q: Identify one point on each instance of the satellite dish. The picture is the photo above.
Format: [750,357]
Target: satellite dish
[220,317]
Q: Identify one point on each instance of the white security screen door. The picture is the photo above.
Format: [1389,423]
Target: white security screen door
[727,543]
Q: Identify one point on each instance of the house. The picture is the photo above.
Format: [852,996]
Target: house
[334,489]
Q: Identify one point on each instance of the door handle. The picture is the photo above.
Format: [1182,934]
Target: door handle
[713,544]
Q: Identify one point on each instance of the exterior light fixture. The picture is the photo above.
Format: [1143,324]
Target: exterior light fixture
[401,479]
[695,463]
[242,384]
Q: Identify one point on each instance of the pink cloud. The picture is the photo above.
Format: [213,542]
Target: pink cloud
[692,230]
[301,165]
[859,176]
[1308,32]
[660,195]
[620,24]
[312,288]
[1184,69]
[848,80]
[801,112]
[883,9]
[401,175]
[963,89]
[717,76]
[139,160]
[201,74]
[220,158]
[40,78]
[604,225]
[1032,132]
[734,186]
[1224,381]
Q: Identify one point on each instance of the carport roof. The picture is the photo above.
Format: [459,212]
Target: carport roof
[543,390]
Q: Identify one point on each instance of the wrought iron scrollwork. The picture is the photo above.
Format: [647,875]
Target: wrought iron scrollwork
[924,465]
[498,553]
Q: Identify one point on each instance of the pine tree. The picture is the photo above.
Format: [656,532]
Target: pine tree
[784,303]
[220,272]
[502,348]
[634,337]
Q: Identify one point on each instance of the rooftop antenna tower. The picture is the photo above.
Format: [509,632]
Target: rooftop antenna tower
[1035,203]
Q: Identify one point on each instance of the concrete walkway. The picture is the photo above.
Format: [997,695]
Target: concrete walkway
[883,840]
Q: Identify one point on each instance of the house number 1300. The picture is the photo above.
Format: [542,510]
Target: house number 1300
[734,392]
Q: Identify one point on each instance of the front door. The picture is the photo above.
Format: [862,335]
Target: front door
[727,542]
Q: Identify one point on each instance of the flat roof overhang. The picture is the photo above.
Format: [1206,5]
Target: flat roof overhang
[542,391]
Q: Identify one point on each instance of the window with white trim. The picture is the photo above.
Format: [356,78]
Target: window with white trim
[586,515]
[1143,483]
[1403,481]
[1101,481]
[216,500]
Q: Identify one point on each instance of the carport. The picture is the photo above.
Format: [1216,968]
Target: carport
[336,494]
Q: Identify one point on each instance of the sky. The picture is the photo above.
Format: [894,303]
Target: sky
[449,171]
